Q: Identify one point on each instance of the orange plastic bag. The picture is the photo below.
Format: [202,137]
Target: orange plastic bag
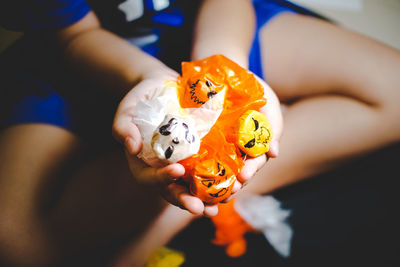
[230,229]
[213,170]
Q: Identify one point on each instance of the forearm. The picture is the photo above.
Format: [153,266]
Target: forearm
[224,27]
[109,60]
[104,57]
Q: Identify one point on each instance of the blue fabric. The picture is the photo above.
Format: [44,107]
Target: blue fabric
[40,105]
[36,109]
[174,18]
[172,25]
[28,15]
[265,11]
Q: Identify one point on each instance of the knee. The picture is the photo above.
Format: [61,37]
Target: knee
[23,242]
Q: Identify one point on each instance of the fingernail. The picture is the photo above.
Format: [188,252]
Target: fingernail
[131,145]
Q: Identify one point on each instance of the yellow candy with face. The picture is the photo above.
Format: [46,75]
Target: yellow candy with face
[254,133]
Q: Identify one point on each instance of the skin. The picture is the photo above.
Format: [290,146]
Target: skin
[211,35]
[329,94]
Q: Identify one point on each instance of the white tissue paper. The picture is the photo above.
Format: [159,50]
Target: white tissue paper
[265,214]
[166,128]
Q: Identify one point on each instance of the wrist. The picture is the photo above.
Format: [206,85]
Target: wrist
[236,54]
[160,72]
[151,69]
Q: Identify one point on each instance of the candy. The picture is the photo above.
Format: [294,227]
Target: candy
[175,139]
[254,133]
[212,181]
[220,147]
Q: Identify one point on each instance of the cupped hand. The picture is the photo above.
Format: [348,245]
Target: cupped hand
[274,114]
[128,134]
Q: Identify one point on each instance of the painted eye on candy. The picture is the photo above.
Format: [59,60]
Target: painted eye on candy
[221,170]
[255,124]
[169,151]
[250,144]
[189,137]
[168,128]
[211,94]
[208,183]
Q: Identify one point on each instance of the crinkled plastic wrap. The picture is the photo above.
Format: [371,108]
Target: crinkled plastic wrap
[219,155]
[169,132]
[230,229]
[196,122]
[265,214]
[252,213]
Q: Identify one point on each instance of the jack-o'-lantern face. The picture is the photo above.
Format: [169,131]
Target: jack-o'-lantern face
[201,88]
[212,181]
[254,133]
[175,139]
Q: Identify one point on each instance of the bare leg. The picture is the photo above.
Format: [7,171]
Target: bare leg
[30,156]
[329,117]
[342,94]
[53,210]
[105,205]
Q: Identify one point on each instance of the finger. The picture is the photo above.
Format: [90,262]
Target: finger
[150,175]
[178,195]
[165,175]
[273,112]
[251,166]
[236,186]
[228,199]
[210,211]
[126,132]
[123,126]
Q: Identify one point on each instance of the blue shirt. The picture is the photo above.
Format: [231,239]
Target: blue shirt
[127,17]
[27,15]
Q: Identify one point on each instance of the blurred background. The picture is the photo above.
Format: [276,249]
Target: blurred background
[379,19]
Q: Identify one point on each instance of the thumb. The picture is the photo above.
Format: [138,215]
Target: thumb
[274,114]
[126,132]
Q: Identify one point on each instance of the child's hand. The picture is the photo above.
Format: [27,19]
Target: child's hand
[274,114]
[127,133]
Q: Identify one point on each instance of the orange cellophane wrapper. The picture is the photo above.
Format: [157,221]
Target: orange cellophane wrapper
[230,229]
[212,172]
[199,82]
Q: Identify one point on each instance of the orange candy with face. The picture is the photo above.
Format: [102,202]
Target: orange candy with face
[200,81]
[201,89]
[211,173]
[212,181]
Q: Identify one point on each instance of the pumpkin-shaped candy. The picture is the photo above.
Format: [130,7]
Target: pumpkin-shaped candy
[254,133]
[212,181]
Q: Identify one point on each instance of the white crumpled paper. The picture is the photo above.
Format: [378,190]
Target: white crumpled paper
[265,214]
[149,114]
